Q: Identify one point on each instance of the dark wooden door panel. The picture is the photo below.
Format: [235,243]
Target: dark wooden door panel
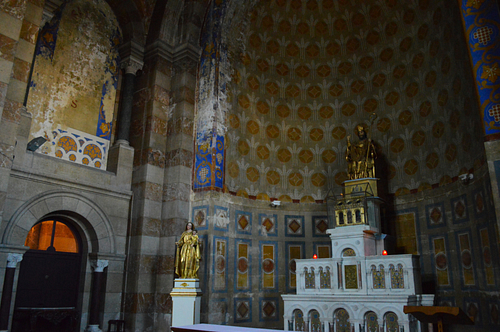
[48,280]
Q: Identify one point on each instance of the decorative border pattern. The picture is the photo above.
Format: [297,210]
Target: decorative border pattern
[472,307]
[238,317]
[199,217]
[221,218]
[488,253]
[481,21]
[263,303]
[294,226]
[248,272]
[322,244]
[447,257]
[274,266]
[248,228]
[464,256]
[479,202]
[265,228]
[316,220]
[417,231]
[209,171]
[301,245]
[431,212]
[459,209]
[220,266]
[78,147]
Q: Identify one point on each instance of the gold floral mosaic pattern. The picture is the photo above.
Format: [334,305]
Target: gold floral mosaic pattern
[312,70]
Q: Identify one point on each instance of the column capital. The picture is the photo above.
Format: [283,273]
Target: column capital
[13,259]
[99,265]
[131,65]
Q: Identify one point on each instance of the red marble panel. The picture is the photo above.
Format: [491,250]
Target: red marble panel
[29,32]
[12,111]
[7,48]
[21,70]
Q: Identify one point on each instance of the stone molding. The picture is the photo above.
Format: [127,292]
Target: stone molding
[95,188]
[94,256]
[180,55]
[132,55]
[99,265]
[48,11]
[13,259]
[131,65]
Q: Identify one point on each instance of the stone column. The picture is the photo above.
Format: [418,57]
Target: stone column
[95,296]
[131,67]
[8,283]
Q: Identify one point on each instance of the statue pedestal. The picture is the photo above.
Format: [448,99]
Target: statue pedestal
[186,302]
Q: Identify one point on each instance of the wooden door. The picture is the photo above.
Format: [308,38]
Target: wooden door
[49,279]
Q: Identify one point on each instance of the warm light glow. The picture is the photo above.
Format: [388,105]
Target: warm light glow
[384,252]
[46,234]
[315,256]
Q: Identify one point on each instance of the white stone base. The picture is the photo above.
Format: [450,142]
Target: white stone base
[93,328]
[186,301]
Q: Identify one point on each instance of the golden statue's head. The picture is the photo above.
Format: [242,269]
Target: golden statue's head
[361,132]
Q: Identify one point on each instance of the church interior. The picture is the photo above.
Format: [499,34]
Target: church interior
[123,120]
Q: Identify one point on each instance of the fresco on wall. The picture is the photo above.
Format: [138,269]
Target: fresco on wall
[307,74]
[75,78]
[313,70]
[212,80]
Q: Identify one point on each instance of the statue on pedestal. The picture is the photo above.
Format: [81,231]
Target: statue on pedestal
[187,262]
[360,156]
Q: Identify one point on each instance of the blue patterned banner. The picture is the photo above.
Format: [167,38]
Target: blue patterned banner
[209,165]
[482,28]
[209,154]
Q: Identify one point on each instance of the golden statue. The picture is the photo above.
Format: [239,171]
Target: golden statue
[187,262]
[360,156]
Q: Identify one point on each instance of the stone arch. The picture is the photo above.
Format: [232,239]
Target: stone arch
[391,321]
[295,306]
[346,307]
[298,320]
[371,320]
[126,13]
[177,22]
[314,318]
[370,308]
[130,22]
[337,320]
[348,252]
[402,317]
[84,212]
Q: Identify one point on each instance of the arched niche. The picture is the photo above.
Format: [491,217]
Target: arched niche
[89,219]
[341,320]
[73,88]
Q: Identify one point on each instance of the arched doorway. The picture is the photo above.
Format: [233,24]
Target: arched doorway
[49,283]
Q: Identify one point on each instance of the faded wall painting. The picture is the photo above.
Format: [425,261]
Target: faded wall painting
[74,83]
